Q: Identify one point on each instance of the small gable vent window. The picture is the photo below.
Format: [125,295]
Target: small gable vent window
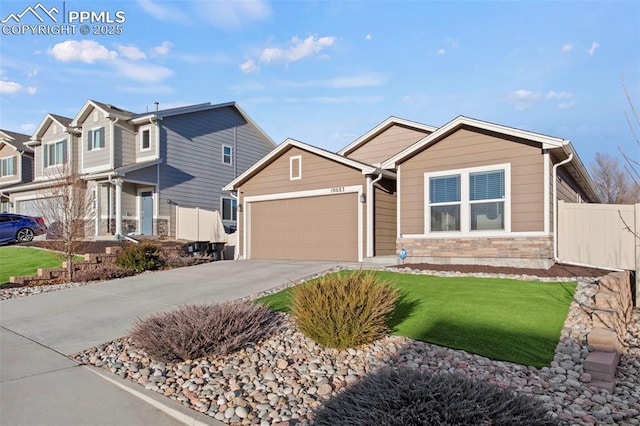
[96,115]
[295,167]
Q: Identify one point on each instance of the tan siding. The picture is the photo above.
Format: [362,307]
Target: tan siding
[566,191]
[385,223]
[317,173]
[465,149]
[386,144]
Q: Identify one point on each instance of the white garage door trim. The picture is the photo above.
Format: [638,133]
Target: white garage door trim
[336,190]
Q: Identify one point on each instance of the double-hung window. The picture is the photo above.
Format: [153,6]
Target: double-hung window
[227,154]
[95,138]
[8,166]
[54,153]
[468,200]
[229,209]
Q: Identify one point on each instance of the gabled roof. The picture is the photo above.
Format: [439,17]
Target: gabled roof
[273,155]
[16,140]
[547,142]
[386,124]
[108,109]
[138,118]
[65,122]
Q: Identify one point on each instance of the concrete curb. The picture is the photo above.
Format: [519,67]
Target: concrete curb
[178,412]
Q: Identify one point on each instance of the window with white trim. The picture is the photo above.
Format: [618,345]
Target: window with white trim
[145,140]
[54,153]
[95,138]
[8,166]
[229,209]
[227,154]
[468,200]
[295,167]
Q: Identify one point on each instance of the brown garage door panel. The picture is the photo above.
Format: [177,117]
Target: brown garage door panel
[312,228]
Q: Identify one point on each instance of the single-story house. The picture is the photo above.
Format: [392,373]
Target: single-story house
[467,192]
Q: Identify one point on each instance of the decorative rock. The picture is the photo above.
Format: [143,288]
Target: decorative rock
[242,412]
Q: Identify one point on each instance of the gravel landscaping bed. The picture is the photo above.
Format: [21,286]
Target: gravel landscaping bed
[281,380]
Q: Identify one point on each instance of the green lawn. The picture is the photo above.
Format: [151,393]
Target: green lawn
[18,261]
[509,320]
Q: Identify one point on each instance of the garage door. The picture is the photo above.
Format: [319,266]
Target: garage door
[312,228]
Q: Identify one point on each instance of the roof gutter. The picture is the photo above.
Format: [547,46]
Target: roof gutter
[555,205]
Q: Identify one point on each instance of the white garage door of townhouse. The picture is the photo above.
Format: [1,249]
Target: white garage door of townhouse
[310,228]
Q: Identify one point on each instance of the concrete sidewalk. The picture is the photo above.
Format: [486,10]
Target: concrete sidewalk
[40,385]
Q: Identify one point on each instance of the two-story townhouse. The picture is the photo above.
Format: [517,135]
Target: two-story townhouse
[54,144]
[16,164]
[141,166]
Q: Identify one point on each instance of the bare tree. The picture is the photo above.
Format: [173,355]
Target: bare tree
[68,208]
[612,181]
[633,119]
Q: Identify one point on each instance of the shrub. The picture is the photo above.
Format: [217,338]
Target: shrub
[139,257]
[409,397]
[106,273]
[344,310]
[194,331]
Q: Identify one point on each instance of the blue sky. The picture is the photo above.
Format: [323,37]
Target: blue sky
[325,72]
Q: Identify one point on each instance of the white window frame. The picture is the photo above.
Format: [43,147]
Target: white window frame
[93,138]
[292,176]
[3,173]
[230,163]
[232,219]
[465,202]
[141,138]
[46,147]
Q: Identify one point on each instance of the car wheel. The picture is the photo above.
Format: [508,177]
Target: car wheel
[24,235]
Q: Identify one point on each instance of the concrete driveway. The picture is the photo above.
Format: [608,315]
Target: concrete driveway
[39,384]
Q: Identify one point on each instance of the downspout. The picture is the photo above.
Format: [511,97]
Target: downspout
[370,213]
[112,152]
[555,206]
[239,209]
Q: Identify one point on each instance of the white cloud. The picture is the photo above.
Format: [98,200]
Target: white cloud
[13,88]
[594,46]
[144,72]
[523,99]
[451,42]
[441,52]
[412,100]
[568,47]
[566,105]
[364,80]
[147,89]
[9,87]
[87,51]
[32,73]
[559,95]
[233,14]
[163,12]
[298,49]
[367,37]
[249,67]
[131,52]
[28,127]
[164,48]
[334,99]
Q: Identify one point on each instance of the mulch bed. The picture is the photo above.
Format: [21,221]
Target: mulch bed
[557,270]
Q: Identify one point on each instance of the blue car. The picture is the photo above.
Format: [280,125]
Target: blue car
[17,227]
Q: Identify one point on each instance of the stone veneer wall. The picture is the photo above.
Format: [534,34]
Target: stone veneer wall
[504,251]
[161,227]
[610,316]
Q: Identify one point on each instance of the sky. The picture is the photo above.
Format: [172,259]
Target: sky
[326,72]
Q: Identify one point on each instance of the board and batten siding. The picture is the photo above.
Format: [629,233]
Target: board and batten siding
[99,158]
[463,149]
[124,145]
[386,144]
[191,148]
[385,222]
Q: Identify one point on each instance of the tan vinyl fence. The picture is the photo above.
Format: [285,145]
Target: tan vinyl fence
[597,234]
[601,235]
[196,224]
